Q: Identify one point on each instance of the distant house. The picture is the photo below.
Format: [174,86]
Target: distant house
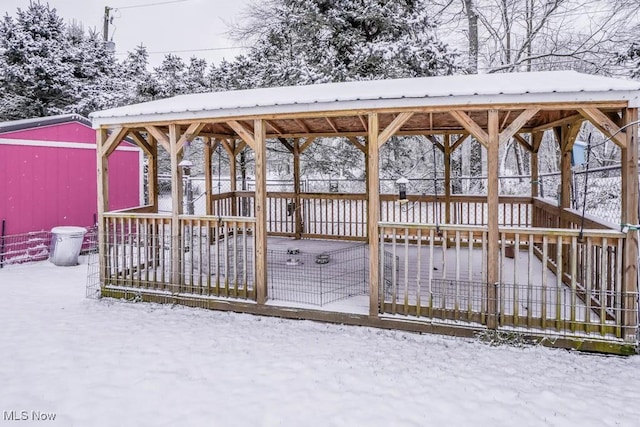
[48,174]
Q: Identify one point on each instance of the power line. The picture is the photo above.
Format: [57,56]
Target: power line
[161,52]
[151,4]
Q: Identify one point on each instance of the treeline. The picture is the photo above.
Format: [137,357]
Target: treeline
[49,67]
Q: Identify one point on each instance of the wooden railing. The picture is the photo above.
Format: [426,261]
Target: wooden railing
[561,279]
[548,279]
[217,256]
[550,215]
[344,216]
[137,250]
[210,256]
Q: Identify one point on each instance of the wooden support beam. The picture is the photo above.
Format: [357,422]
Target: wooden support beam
[286,144]
[630,216]
[296,189]
[114,139]
[192,131]
[233,179]
[302,125]
[462,138]
[373,214]
[565,121]
[393,127]
[520,139]
[435,142]
[273,126]
[517,124]
[306,144]
[472,127]
[152,174]
[493,235]
[243,133]
[176,208]
[240,145]
[536,140]
[260,211]
[140,142]
[565,166]
[103,200]
[364,123]
[357,144]
[228,145]
[160,136]
[604,125]
[332,124]
[447,177]
[208,175]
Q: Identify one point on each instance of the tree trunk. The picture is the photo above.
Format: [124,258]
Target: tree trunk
[472,19]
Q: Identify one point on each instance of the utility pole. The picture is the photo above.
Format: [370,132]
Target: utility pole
[105,24]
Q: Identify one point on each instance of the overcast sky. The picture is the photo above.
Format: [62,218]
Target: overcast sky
[186,27]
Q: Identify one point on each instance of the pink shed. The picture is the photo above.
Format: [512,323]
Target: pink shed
[48,174]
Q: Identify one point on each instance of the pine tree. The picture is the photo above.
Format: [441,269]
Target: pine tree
[314,41]
[37,76]
[170,77]
[138,81]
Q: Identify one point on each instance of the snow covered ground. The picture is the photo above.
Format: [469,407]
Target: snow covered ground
[112,363]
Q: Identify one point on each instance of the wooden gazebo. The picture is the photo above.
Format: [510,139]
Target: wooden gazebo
[517,263]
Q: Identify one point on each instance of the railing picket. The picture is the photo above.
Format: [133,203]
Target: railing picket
[418,271]
[530,283]
[603,287]
[574,273]
[516,283]
[545,263]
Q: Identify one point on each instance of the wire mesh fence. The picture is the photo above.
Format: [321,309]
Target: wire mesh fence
[36,246]
[317,278]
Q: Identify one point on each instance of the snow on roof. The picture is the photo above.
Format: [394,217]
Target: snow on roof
[519,88]
[16,125]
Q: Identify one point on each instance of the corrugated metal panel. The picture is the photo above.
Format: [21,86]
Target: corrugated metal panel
[550,86]
[43,187]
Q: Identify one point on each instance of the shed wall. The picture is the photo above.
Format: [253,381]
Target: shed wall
[42,187]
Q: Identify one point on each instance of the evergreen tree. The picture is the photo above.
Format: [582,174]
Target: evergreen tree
[37,73]
[49,68]
[170,77]
[139,82]
[314,41]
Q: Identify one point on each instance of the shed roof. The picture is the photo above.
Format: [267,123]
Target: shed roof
[17,125]
[462,90]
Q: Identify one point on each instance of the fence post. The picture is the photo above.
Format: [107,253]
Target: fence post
[2,243]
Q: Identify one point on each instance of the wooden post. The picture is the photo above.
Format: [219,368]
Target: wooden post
[536,140]
[493,235]
[233,183]
[447,177]
[261,211]
[565,168]
[152,174]
[176,207]
[296,188]
[208,152]
[373,213]
[103,200]
[630,216]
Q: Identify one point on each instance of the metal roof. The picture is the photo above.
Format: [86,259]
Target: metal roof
[18,125]
[461,90]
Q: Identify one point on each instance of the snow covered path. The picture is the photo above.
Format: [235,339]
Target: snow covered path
[111,363]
